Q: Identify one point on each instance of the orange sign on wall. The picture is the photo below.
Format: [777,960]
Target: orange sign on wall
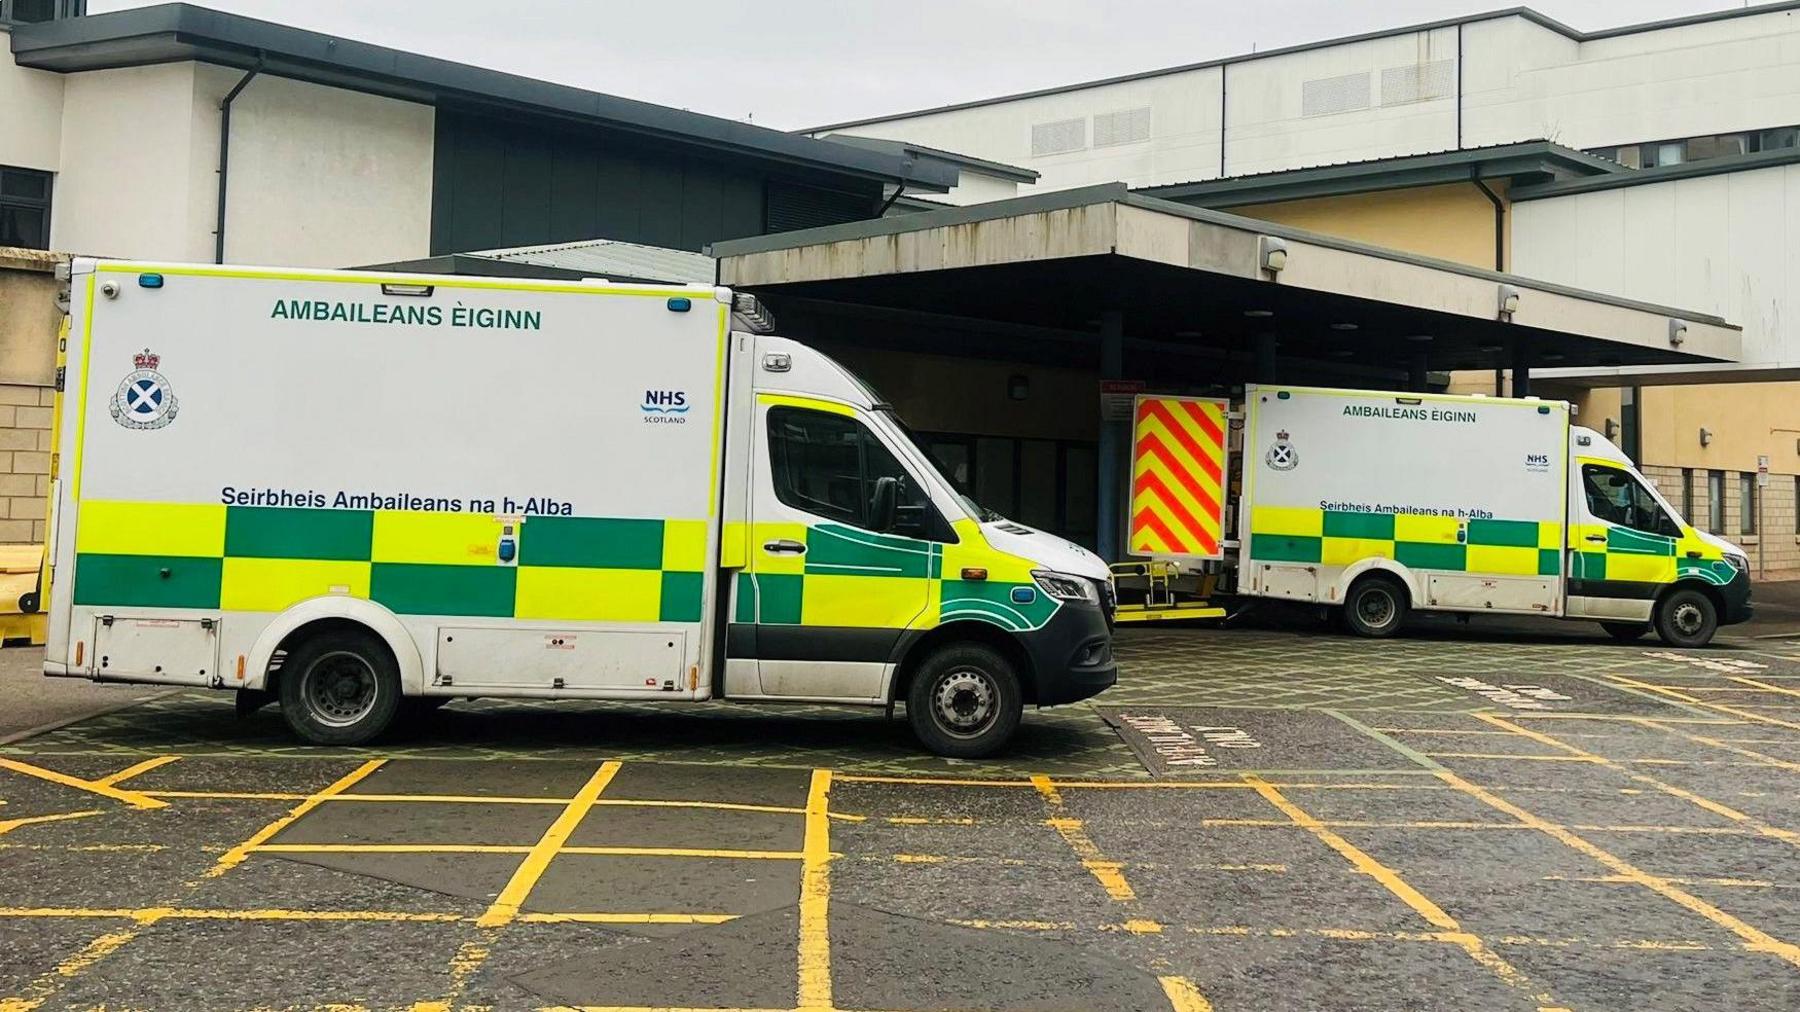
[1177,477]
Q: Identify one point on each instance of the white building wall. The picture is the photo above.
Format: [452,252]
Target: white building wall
[1717,244]
[1183,141]
[30,116]
[320,177]
[1373,99]
[1523,81]
[1520,81]
[976,188]
[128,184]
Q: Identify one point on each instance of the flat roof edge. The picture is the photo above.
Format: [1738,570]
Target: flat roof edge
[1379,173]
[1660,174]
[1117,193]
[210,36]
[1527,13]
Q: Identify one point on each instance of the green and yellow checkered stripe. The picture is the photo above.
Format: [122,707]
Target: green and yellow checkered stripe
[1334,538]
[239,558]
[852,578]
[1640,557]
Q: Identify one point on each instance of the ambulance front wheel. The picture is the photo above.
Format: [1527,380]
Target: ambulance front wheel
[964,702]
[1687,618]
[339,687]
[1375,606]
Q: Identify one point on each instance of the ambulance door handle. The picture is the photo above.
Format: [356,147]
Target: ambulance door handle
[1594,537]
[784,547]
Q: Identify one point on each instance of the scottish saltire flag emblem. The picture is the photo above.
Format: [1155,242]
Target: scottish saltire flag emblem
[144,400]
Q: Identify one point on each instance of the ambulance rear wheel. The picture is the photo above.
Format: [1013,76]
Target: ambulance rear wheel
[1686,618]
[339,687]
[1625,632]
[964,702]
[1375,606]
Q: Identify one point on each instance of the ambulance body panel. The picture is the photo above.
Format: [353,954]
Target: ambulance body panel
[1469,504]
[502,488]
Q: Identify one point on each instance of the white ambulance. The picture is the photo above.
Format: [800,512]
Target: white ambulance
[1384,502]
[356,492]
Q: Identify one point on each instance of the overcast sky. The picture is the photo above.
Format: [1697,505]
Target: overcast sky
[800,63]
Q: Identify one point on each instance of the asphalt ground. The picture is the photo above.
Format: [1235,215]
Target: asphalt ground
[1252,819]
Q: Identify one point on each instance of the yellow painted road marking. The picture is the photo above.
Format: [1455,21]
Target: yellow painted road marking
[1110,874]
[236,855]
[1734,747]
[506,905]
[1785,835]
[1509,757]
[228,795]
[1728,883]
[1754,938]
[814,952]
[487,848]
[1764,686]
[8,825]
[1694,701]
[1183,995]
[136,769]
[40,990]
[1469,942]
[627,918]
[469,958]
[132,798]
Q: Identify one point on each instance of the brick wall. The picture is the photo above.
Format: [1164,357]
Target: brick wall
[1775,548]
[29,320]
[24,462]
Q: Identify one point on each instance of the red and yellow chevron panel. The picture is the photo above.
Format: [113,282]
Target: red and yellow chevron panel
[1177,477]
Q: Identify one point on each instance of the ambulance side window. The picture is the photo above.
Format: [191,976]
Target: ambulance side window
[1615,497]
[827,465]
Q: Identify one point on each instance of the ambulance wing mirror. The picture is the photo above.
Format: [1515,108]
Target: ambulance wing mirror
[884,504]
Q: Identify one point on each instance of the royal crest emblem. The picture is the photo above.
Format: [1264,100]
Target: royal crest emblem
[1282,456]
[144,400]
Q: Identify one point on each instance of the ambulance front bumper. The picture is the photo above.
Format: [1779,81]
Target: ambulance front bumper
[1736,596]
[1072,656]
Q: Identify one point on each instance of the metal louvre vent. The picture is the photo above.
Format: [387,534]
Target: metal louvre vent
[793,206]
[1328,95]
[1058,137]
[1417,82]
[1127,126]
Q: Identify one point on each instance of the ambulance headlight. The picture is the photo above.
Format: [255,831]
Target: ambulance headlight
[1738,562]
[1065,587]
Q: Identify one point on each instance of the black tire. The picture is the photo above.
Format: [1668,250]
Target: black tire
[1625,632]
[340,687]
[1375,607]
[1686,618]
[964,702]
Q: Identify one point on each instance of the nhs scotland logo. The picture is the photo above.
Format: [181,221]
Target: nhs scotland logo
[665,407]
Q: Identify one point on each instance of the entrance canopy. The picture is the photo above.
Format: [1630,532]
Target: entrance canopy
[1189,294]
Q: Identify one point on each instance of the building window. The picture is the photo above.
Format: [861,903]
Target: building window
[1687,494]
[24,208]
[1696,149]
[31,12]
[1747,503]
[1715,501]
